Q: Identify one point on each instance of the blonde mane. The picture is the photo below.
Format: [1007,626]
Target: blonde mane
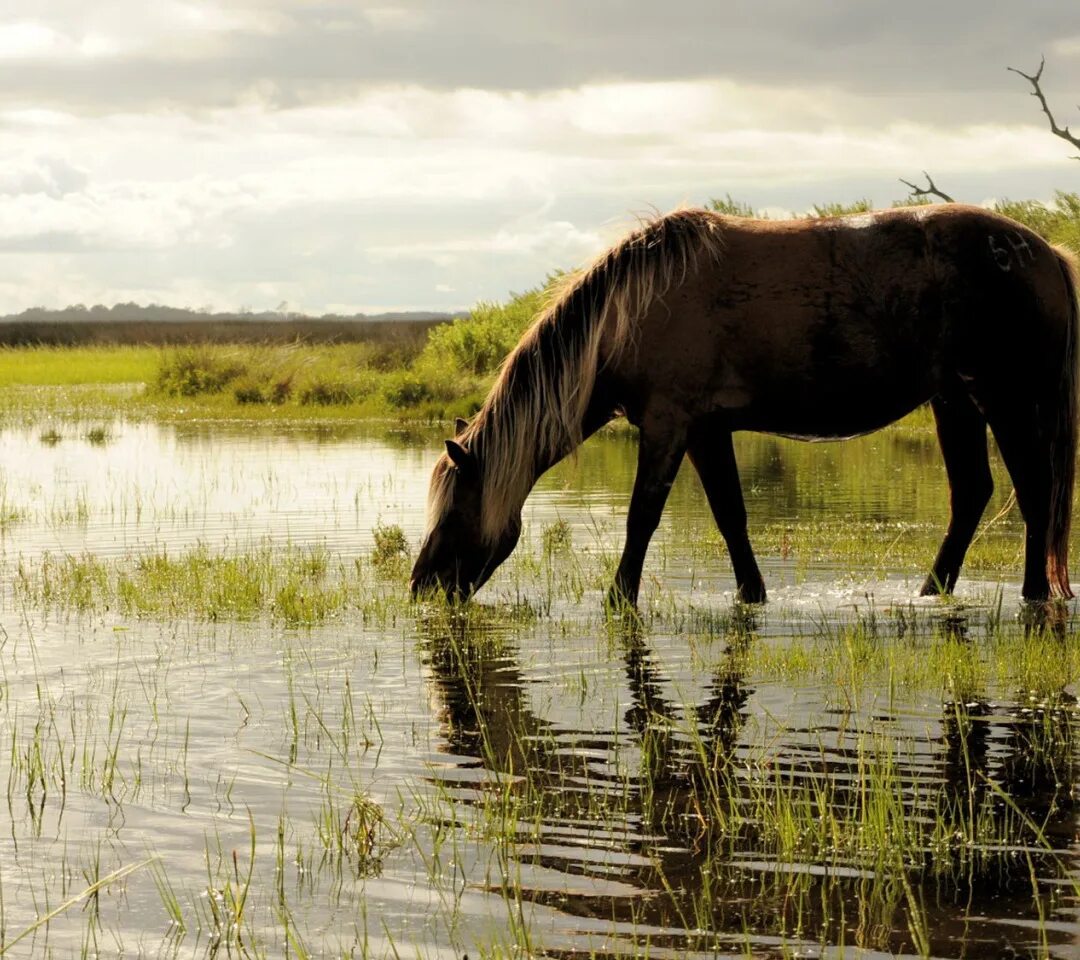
[534,412]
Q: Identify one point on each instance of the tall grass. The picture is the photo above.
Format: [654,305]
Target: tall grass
[1057,221]
[449,373]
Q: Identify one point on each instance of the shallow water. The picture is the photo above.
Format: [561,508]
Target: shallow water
[548,782]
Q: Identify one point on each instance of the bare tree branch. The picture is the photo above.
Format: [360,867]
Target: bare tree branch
[1057,131]
[930,190]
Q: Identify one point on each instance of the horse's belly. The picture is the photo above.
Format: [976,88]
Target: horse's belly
[830,411]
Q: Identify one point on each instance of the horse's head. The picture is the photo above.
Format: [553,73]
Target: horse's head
[455,556]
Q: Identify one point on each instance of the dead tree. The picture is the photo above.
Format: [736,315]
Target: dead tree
[1033,79]
[930,190]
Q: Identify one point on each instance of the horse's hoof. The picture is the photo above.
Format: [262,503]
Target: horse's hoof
[933,587]
[1037,598]
[751,592]
[618,602]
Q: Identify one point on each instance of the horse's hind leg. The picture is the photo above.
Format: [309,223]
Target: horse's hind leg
[713,456]
[661,446]
[961,432]
[1027,455]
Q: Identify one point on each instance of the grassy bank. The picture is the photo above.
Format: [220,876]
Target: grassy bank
[445,374]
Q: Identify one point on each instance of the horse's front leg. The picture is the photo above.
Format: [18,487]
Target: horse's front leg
[661,446]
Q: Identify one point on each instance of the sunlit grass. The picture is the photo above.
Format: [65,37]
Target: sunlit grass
[68,366]
[298,586]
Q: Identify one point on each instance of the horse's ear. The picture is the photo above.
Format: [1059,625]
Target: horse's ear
[461,457]
[460,423]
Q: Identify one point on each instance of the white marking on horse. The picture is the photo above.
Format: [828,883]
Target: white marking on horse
[859,220]
[1012,251]
[1020,246]
[1000,254]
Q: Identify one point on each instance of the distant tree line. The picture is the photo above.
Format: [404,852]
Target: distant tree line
[130,323]
[158,313]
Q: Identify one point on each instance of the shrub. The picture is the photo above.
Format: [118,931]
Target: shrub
[388,355]
[281,390]
[391,548]
[190,371]
[730,207]
[407,390]
[327,393]
[1058,221]
[477,344]
[249,391]
[839,209]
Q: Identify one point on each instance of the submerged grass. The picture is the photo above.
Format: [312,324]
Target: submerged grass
[297,586]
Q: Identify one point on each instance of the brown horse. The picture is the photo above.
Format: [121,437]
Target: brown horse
[697,325]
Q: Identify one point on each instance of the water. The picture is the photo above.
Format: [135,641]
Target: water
[533,778]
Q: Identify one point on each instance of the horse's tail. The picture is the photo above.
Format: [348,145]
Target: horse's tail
[1064,437]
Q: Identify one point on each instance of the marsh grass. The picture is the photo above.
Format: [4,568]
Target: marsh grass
[390,555]
[883,547]
[76,366]
[309,380]
[297,586]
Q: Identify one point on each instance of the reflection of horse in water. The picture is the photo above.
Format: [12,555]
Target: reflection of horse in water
[698,325]
[701,882]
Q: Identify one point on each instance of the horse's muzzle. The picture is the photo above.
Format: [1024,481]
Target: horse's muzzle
[425,586]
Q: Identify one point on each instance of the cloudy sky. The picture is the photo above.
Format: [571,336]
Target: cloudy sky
[431,153]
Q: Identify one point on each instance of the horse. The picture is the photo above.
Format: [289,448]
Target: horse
[696,325]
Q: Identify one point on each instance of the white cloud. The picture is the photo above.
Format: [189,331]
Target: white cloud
[539,235]
[395,18]
[52,176]
[403,195]
[1065,47]
[30,40]
[25,39]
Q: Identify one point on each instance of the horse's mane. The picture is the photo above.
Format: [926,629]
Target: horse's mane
[534,412]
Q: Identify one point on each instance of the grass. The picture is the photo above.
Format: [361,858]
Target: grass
[77,366]
[296,586]
[281,382]
[856,802]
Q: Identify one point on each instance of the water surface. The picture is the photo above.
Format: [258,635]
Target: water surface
[540,772]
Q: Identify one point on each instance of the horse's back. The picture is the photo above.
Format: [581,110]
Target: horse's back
[837,326]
